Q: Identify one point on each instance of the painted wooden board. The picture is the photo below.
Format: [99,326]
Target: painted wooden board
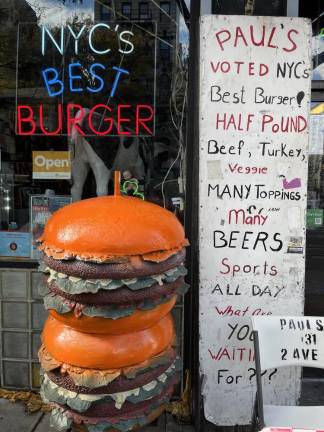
[254,105]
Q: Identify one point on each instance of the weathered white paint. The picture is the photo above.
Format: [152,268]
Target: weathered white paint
[276,285]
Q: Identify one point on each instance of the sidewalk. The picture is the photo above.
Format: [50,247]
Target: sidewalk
[14,418]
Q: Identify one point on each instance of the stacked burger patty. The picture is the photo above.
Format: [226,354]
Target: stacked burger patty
[115,269]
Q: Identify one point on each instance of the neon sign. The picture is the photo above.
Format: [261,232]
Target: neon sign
[86,78]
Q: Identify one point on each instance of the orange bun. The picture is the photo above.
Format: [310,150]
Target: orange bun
[111,227]
[139,320]
[106,352]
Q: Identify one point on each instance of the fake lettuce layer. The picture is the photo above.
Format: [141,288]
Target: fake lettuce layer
[61,422]
[94,378]
[75,285]
[62,419]
[82,402]
[62,306]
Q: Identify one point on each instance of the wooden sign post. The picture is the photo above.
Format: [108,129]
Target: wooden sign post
[254,105]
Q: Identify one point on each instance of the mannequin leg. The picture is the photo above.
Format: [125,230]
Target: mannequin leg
[102,175]
[100,171]
[80,171]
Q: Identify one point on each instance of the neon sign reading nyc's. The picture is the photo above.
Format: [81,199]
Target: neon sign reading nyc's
[138,117]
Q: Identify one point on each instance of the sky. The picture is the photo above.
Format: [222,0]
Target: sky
[54,12]
[183,32]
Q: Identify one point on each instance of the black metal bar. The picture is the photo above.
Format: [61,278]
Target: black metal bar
[19,263]
[184,10]
[191,311]
[259,394]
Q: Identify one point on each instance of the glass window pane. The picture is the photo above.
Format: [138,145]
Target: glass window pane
[166,7]
[144,11]
[127,9]
[105,12]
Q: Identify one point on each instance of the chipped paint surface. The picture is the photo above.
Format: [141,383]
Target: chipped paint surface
[254,105]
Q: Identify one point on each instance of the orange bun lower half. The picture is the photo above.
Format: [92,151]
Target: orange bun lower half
[104,352]
[139,320]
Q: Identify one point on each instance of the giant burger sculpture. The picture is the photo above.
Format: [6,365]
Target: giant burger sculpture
[115,268]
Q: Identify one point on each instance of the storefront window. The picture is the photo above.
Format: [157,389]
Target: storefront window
[49,73]
[36,157]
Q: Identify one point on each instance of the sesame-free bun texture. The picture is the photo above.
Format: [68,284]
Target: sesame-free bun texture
[112,229]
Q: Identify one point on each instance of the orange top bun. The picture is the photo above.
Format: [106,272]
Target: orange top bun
[111,227]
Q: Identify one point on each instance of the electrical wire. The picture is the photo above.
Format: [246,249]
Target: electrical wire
[180,146]
[180,75]
[317,18]
[167,181]
[176,116]
[120,65]
[114,7]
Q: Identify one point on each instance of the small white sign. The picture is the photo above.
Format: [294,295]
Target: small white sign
[285,340]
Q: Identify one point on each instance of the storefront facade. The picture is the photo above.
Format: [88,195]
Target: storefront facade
[43,168]
[40,172]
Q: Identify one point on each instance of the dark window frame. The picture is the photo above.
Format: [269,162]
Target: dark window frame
[128,5]
[165,49]
[105,13]
[165,3]
[147,14]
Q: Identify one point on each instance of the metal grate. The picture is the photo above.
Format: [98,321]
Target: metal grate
[22,316]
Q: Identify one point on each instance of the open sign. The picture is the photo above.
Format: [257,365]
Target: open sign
[51,165]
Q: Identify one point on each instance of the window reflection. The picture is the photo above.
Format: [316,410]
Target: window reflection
[148,158]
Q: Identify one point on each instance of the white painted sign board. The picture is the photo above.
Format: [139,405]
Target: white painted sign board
[254,105]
